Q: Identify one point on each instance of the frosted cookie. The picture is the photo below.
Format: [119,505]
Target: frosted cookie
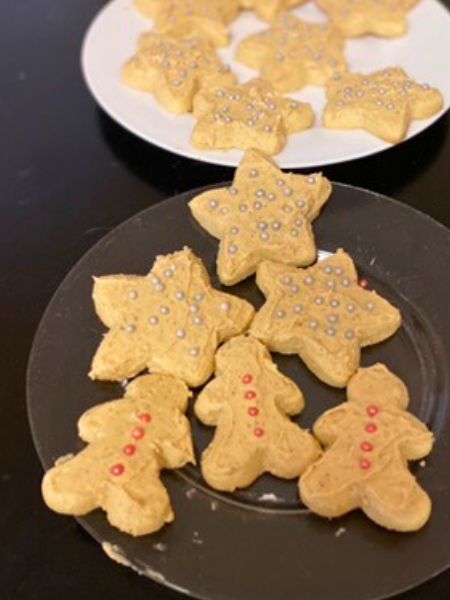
[323,315]
[294,53]
[265,214]
[129,441]
[251,115]
[385,18]
[383,103]
[250,402]
[269,9]
[170,321]
[174,70]
[368,442]
[207,19]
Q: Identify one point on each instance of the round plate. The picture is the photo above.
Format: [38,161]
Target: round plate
[112,39]
[260,543]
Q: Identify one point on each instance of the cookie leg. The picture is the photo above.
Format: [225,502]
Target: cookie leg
[326,489]
[395,500]
[140,506]
[292,453]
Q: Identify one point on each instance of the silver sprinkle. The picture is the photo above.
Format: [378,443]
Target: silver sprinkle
[333,318]
[180,295]
[130,328]
[299,222]
[335,303]
[260,193]
[311,179]
[264,236]
[287,208]
[280,182]
[225,306]
[287,280]
[280,314]
[346,282]
[193,308]
[220,94]
[268,128]
[276,225]
[253,173]
[331,331]
[298,308]
[339,271]
[243,207]
[199,297]
[234,230]
[349,334]
[295,289]
[351,308]
[232,249]
[194,352]
[294,232]
[132,294]
[271,196]
[309,280]
[153,320]
[262,225]
[328,269]
[168,273]
[319,300]
[300,203]
[331,284]
[257,205]
[197,320]
[181,334]
[313,324]
[232,191]
[159,287]
[370,306]
[164,310]
[288,191]
[224,210]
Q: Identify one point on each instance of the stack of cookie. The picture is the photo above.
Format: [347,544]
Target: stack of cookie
[178,63]
[175,324]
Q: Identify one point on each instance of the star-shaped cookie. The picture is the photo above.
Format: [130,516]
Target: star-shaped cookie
[385,18]
[383,103]
[208,19]
[269,9]
[174,70]
[265,215]
[294,53]
[323,315]
[251,115]
[170,321]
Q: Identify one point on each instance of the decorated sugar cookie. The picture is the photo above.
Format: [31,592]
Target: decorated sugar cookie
[251,115]
[294,53]
[269,9]
[383,103]
[170,321]
[129,441]
[250,402]
[265,214]
[386,18]
[323,315]
[207,19]
[368,443]
[174,70]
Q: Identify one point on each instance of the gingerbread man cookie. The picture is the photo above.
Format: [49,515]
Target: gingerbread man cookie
[323,315]
[174,70]
[207,19]
[383,103]
[385,18]
[265,214]
[170,321]
[129,441]
[294,53]
[269,9]
[249,402]
[368,443]
[245,116]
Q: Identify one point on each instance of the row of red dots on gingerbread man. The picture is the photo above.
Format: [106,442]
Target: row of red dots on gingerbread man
[253,411]
[137,433]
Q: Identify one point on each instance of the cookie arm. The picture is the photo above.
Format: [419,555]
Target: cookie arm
[417,440]
[96,422]
[329,426]
[112,298]
[118,357]
[235,315]
[288,395]
[205,209]
[210,402]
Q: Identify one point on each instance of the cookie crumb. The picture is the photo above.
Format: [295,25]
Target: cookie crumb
[160,547]
[340,531]
[196,539]
[214,505]
[115,554]
[423,464]
[124,383]
[63,459]
[269,498]
[191,492]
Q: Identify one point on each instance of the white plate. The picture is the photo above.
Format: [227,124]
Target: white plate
[112,36]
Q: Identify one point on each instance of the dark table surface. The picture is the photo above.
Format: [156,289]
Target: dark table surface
[68,174]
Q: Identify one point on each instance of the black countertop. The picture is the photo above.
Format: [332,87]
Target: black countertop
[68,174]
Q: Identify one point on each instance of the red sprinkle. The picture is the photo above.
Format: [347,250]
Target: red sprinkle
[372,410]
[253,411]
[371,428]
[129,450]
[117,469]
[365,464]
[138,433]
[363,283]
[259,432]
[247,379]
[250,395]
[366,447]
[145,417]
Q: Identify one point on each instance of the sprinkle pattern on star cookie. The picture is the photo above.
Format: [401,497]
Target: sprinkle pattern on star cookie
[323,315]
[385,18]
[294,53]
[251,115]
[129,441]
[206,19]
[250,402]
[383,103]
[368,441]
[170,321]
[265,215]
[174,70]
[269,9]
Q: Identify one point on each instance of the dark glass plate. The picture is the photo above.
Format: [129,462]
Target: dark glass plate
[260,542]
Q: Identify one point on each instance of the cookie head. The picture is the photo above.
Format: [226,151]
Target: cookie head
[378,385]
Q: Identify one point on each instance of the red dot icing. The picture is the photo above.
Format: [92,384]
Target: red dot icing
[371,427]
[145,417]
[363,283]
[129,449]
[250,395]
[253,411]
[259,431]
[138,433]
[117,469]
[365,464]
[366,447]
[247,379]
[372,410]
